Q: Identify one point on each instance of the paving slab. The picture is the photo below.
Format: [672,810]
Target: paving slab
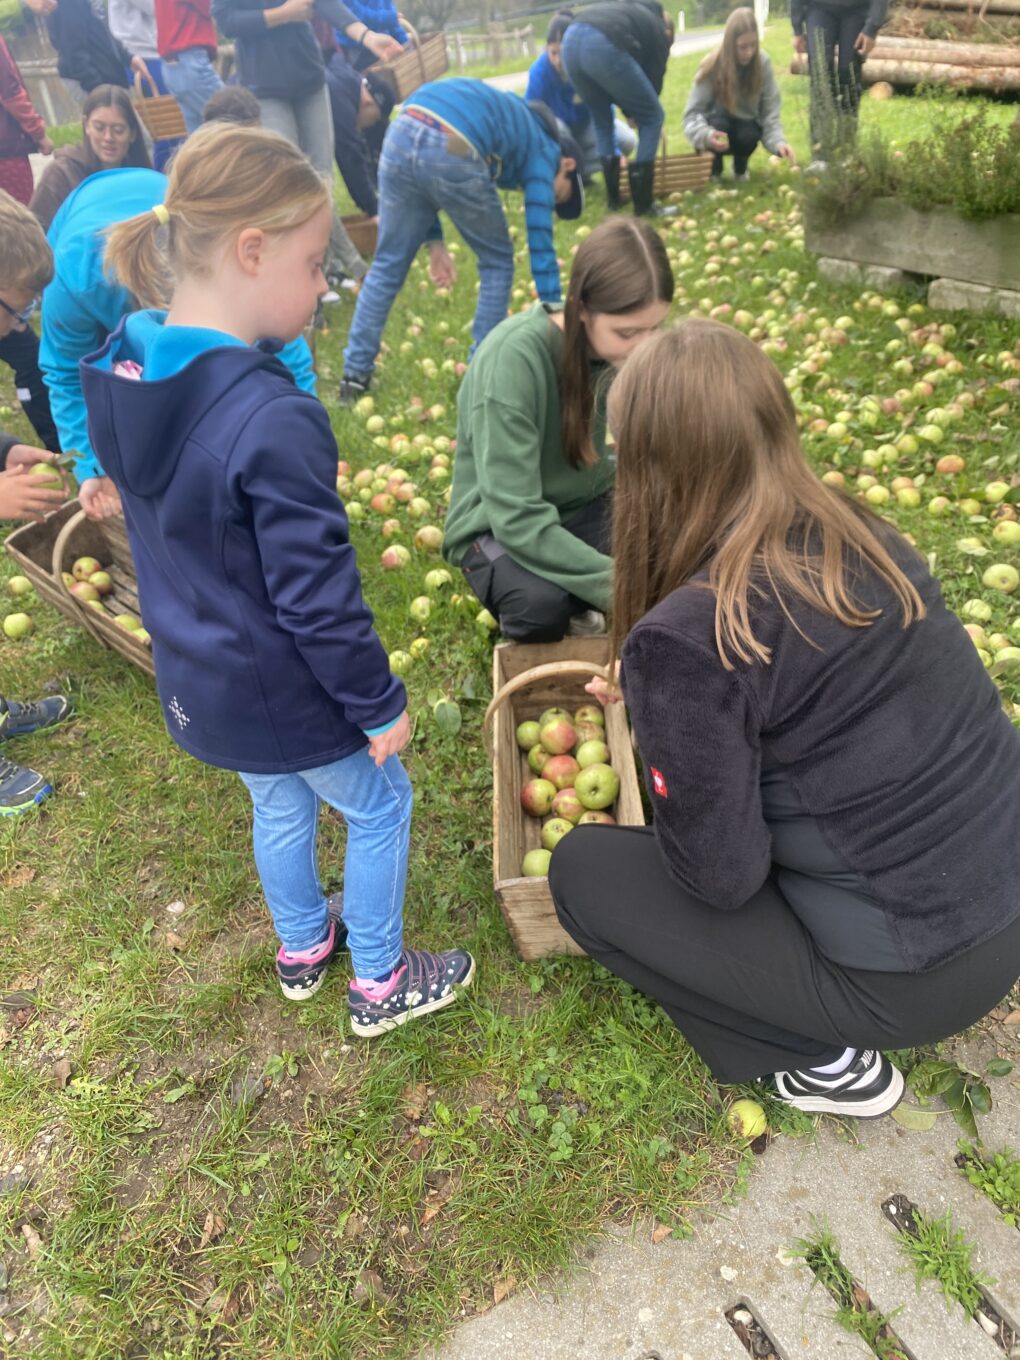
[632,1299]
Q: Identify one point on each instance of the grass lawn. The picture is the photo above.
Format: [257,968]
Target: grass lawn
[205,1170]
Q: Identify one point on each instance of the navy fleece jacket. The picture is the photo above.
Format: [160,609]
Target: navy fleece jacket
[266,657]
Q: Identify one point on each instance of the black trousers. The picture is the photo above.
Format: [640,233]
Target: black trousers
[530,608]
[835,70]
[19,349]
[744,135]
[749,988]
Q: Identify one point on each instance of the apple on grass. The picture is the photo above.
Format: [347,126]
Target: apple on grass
[553,831]
[21,585]
[18,625]
[561,770]
[537,797]
[746,1119]
[1001,576]
[597,786]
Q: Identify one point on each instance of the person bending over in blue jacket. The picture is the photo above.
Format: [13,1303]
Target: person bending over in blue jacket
[83,305]
[266,659]
[548,82]
[455,144]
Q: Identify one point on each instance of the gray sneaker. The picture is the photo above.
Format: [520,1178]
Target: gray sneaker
[20,788]
[589,623]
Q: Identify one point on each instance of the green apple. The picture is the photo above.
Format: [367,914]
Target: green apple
[592,753]
[746,1119]
[553,831]
[1007,531]
[21,585]
[536,863]
[537,757]
[527,735]
[46,475]
[597,786]
[1001,576]
[18,625]
[400,662]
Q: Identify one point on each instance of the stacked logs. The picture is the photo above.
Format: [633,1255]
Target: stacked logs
[904,56]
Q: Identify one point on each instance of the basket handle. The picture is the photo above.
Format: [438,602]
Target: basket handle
[406,23]
[153,89]
[59,548]
[547,671]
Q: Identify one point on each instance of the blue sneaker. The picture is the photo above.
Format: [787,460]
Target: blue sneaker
[421,983]
[298,980]
[17,720]
[20,788]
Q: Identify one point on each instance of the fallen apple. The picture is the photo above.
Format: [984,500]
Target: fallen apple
[1001,576]
[18,625]
[19,585]
[746,1119]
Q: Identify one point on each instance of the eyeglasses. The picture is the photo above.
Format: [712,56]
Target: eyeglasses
[25,315]
[114,129]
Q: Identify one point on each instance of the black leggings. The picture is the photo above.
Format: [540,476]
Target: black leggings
[835,70]
[530,608]
[20,349]
[749,988]
[744,135]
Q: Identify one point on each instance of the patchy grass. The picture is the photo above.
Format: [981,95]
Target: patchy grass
[221,1173]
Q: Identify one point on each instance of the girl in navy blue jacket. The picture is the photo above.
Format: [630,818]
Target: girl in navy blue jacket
[266,659]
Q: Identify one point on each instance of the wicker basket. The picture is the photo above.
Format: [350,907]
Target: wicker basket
[44,550]
[675,174]
[160,113]
[422,60]
[527,678]
[363,231]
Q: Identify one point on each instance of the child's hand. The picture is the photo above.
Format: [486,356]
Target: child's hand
[392,741]
[99,498]
[603,691]
[22,497]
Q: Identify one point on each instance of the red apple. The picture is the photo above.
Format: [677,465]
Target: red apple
[593,818]
[83,568]
[561,770]
[537,796]
[557,736]
[567,804]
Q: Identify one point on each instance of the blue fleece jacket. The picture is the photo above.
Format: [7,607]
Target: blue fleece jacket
[82,305]
[266,657]
[524,154]
[546,83]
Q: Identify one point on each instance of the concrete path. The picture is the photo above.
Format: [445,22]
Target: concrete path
[630,1299]
[684,45]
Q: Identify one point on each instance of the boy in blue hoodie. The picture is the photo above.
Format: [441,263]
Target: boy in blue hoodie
[455,144]
[266,659]
[83,305]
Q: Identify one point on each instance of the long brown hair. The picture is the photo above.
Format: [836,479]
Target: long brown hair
[730,79]
[224,178]
[621,267]
[116,97]
[710,474]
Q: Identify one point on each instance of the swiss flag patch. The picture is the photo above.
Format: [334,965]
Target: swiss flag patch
[658,783]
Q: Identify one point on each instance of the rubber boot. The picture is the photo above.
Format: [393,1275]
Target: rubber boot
[611,175]
[640,175]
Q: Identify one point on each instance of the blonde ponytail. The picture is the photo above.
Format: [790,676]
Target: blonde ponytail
[224,178]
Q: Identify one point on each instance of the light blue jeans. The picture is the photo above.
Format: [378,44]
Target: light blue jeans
[603,75]
[376,804]
[191,78]
[418,177]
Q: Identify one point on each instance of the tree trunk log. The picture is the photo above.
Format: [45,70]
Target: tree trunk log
[897,72]
[951,53]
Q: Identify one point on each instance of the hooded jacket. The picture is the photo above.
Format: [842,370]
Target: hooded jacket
[83,305]
[68,166]
[86,50]
[266,657]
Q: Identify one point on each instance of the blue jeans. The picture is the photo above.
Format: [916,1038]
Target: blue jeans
[603,75]
[418,177]
[376,804]
[191,78]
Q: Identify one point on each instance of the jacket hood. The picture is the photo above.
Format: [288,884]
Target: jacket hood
[138,427]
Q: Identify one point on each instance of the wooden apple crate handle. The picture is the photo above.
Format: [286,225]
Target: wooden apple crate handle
[549,670]
[59,548]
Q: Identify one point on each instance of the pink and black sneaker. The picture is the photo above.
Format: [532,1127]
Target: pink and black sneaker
[301,975]
[421,983]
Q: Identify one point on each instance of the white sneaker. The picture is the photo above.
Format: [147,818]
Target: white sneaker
[589,623]
[331,296]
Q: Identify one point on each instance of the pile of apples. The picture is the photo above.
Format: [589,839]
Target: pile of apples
[89,582]
[575,785]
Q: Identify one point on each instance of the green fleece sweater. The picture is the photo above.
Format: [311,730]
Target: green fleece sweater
[511,478]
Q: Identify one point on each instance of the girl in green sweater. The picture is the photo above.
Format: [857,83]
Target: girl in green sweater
[530,513]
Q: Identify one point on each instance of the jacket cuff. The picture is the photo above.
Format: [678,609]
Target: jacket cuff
[378,731]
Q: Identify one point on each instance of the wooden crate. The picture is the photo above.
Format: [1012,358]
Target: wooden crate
[422,60]
[364,233]
[675,175]
[44,550]
[526,903]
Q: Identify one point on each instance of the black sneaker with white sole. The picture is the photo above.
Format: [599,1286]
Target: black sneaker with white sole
[299,981]
[871,1086]
[352,389]
[422,982]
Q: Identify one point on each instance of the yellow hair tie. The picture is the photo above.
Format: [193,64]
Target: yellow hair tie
[162,214]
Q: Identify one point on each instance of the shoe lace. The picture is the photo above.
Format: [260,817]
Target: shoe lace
[7,769]
[28,711]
